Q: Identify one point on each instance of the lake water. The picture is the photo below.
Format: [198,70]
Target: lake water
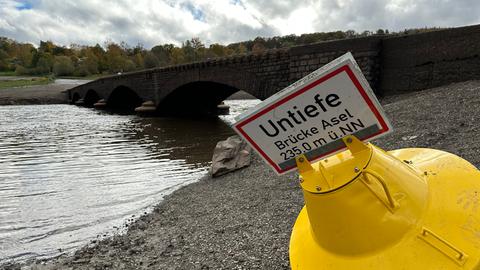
[70,174]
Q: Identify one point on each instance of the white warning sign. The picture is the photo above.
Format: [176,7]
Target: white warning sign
[312,115]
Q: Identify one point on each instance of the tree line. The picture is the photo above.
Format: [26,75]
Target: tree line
[111,58]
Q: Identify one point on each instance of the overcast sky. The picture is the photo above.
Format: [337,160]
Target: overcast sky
[152,22]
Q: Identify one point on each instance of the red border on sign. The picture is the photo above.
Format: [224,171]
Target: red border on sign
[358,85]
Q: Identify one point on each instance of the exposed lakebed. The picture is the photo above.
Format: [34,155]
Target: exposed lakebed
[69,174]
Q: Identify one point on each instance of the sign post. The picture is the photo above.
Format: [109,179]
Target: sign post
[311,116]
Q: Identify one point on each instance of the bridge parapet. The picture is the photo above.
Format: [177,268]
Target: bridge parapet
[261,75]
[390,64]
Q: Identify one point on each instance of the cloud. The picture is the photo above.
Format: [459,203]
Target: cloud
[217,21]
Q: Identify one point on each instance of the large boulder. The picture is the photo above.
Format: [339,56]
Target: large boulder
[230,155]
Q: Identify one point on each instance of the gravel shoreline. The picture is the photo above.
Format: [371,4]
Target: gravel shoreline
[38,94]
[32,95]
[243,220]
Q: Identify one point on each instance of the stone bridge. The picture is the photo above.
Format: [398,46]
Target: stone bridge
[391,64]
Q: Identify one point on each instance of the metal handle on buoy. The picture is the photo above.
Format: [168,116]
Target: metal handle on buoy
[391,204]
[443,246]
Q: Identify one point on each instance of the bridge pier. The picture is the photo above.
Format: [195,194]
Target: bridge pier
[223,109]
[100,104]
[80,102]
[147,108]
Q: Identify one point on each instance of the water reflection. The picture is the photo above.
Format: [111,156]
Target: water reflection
[68,174]
[180,138]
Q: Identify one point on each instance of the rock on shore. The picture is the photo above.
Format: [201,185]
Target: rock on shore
[243,220]
[230,155]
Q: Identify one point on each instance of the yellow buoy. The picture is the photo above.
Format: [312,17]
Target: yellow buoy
[404,209]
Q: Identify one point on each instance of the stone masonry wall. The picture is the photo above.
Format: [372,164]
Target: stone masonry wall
[421,61]
[305,59]
[391,64]
[400,63]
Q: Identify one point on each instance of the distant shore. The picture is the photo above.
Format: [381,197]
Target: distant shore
[31,95]
[54,93]
[243,220]
[39,94]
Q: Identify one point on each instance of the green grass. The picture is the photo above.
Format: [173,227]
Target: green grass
[7,73]
[24,82]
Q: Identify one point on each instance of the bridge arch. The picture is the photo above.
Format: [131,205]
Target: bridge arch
[193,92]
[91,97]
[124,99]
[200,97]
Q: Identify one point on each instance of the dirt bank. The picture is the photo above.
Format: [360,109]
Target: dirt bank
[38,94]
[243,220]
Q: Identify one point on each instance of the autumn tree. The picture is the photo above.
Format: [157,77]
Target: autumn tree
[163,53]
[350,33]
[5,54]
[63,66]
[238,48]
[241,49]
[139,60]
[218,50]
[188,51]
[42,63]
[46,47]
[258,45]
[115,58]
[25,54]
[177,56]
[193,50]
[100,54]
[88,64]
[129,66]
[151,60]
[4,60]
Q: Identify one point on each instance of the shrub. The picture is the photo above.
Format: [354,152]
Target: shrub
[20,70]
[150,60]
[81,71]
[129,66]
[63,66]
